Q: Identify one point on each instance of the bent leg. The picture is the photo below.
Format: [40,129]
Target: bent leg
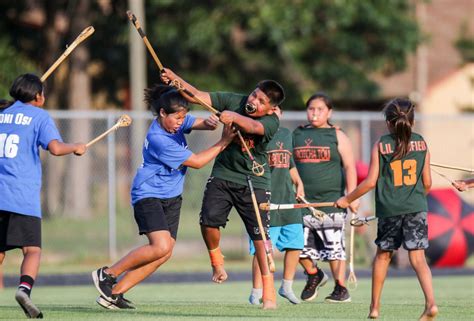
[212,236]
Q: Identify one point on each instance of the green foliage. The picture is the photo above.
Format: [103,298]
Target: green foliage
[13,64]
[307,45]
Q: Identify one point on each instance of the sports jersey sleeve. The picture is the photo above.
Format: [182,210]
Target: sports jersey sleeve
[270,124]
[47,132]
[188,124]
[168,151]
[227,101]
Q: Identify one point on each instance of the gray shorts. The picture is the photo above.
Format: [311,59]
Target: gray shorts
[411,230]
[324,240]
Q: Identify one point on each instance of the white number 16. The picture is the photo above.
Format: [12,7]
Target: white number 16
[9,145]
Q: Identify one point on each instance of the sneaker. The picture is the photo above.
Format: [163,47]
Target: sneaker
[118,303]
[103,282]
[289,295]
[313,283]
[27,305]
[339,295]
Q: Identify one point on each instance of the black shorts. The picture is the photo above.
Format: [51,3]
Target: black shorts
[154,214]
[219,197]
[17,231]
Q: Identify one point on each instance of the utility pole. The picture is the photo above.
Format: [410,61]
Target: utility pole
[138,81]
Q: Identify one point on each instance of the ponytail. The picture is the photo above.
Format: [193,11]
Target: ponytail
[400,114]
[164,97]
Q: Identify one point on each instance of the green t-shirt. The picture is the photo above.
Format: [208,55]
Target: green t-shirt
[319,164]
[280,160]
[234,164]
[400,187]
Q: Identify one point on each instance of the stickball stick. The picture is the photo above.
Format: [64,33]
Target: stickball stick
[124,121]
[268,251]
[273,207]
[86,33]
[352,279]
[359,221]
[464,169]
[316,213]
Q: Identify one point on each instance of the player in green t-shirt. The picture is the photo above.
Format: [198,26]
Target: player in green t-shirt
[325,161]
[400,172]
[286,227]
[227,187]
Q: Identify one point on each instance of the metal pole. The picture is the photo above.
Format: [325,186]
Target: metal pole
[137,65]
[112,190]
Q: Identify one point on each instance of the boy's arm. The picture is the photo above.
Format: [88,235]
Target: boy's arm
[58,148]
[168,75]
[246,124]
[297,181]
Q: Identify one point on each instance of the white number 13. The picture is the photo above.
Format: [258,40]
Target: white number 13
[9,145]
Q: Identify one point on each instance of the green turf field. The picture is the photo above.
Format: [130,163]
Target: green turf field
[402,300]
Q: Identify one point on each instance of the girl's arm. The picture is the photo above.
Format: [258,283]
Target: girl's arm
[426,174]
[209,123]
[297,181]
[201,159]
[367,185]
[348,162]
[58,148]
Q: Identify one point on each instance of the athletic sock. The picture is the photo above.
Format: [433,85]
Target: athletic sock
[287,285]
[26,284]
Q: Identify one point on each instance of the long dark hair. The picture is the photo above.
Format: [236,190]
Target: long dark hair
[325,98]
[164,97]
[24,88]
[400,114]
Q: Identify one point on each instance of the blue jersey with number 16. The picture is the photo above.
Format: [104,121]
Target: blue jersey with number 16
[23,129]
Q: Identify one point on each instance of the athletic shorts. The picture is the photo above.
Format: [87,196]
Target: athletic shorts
[17,231]
[324,240]
[154,214]
[219,197]
[287,237]
[411,230]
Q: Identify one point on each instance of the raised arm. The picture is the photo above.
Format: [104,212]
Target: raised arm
[245,124]
[168,75]
[209,123]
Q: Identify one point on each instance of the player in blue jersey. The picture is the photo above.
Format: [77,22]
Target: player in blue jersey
[24,128]
[156,191]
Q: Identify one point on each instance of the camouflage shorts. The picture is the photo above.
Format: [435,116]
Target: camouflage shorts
[411,230]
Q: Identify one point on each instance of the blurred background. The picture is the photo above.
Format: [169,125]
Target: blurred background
[360,52]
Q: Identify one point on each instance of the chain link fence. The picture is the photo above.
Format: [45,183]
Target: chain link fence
[86,200]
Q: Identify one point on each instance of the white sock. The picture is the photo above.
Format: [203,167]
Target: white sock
[287,285]
[258,293]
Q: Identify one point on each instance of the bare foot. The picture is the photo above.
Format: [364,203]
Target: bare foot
[429,314]
[269,305]
[219,274]
[373,314]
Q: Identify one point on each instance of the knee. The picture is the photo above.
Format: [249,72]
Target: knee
[31,250]
[162,248]
[417,259]
[384,256]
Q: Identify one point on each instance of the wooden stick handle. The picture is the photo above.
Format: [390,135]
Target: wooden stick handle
[82,36]
[464,169]
[142,34]
[95,140]
[271,262]
[272,207]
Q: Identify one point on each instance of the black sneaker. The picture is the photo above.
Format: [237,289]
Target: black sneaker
[118,303]
[313,283]
[339,295]
[104,282]
[27,305]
